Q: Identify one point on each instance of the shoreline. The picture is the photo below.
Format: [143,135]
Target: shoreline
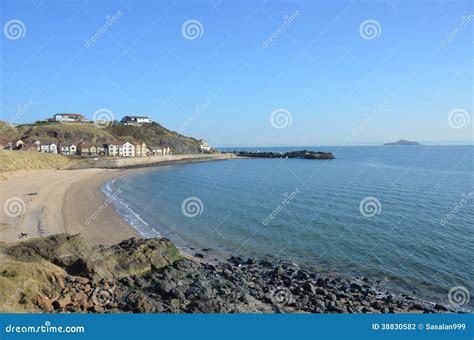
[40,203]
[61,201]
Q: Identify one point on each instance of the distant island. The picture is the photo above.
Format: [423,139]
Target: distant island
[403,142]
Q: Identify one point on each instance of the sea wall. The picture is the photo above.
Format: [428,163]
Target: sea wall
[135,162]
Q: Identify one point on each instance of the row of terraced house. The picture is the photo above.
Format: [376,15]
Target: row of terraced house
[111,149]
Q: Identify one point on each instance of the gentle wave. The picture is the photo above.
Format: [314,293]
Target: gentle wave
[322,226]
[128,214]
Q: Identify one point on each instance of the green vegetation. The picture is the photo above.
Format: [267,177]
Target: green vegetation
[65,133]
[153,134]
[34,270]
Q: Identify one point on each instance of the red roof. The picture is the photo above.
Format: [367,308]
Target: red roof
[84,145]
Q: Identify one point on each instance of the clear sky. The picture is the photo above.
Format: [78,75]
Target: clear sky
[330,76]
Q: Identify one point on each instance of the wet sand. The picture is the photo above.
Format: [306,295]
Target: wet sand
[46,202]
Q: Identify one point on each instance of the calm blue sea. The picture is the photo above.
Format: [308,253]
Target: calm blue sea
[402,214]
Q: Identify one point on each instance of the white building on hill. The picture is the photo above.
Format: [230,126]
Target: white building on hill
[70,117]
[135,120]
[205,145]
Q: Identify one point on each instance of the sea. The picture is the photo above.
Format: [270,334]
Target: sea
[400,214]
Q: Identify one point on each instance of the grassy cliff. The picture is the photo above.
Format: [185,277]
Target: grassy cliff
[152,134]
[156,135]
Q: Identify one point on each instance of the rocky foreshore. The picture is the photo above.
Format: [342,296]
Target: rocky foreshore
[67,274]
[303,154]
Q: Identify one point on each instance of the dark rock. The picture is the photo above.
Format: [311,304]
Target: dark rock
[166,287]
[308,287]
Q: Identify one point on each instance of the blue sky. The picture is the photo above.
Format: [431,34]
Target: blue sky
[328,83]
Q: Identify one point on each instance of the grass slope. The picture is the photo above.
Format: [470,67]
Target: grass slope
[154,135]
[13,160]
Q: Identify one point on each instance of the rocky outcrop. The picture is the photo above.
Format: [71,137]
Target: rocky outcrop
[304,154]
[79,257]
[149,276]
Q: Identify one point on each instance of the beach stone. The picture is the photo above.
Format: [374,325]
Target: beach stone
[251,261]
[308,287]
[43,302]
[376,304]
[319,303]
[82,280]
[321,291]
[63,302]
[166,286]
[355,287]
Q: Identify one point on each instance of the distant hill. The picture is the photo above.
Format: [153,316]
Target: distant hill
[152,134]
[403,142]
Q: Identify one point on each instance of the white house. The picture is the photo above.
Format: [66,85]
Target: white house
[127,149]
[68,149]
[101,150]
[19,143]
[49,147]
[135,120]
[112,148]
[69,117]
[205,145]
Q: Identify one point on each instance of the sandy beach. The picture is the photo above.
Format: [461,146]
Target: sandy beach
[46,202]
